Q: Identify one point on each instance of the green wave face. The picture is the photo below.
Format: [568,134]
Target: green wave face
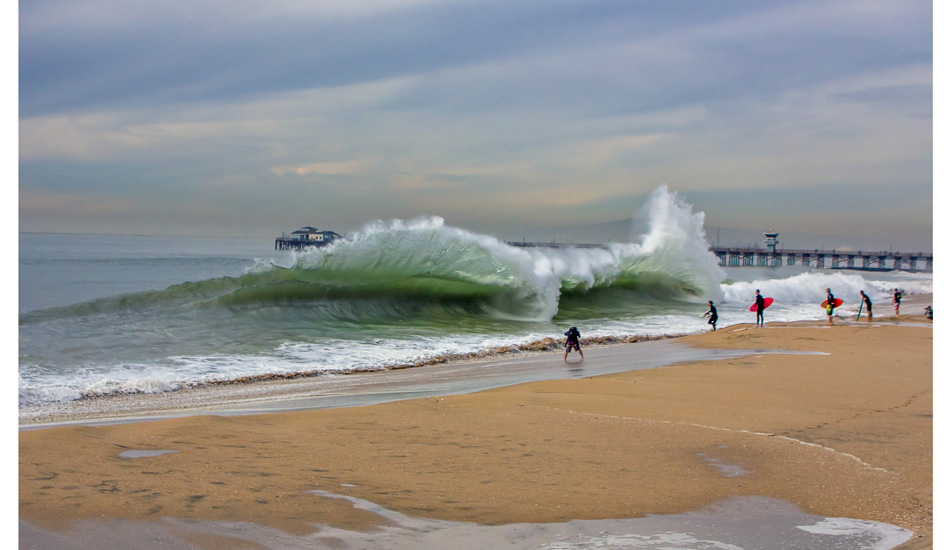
[425,268]
[402,287]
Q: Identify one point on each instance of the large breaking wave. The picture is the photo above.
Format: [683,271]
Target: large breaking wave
[392,268]
[394,293]
[401,292]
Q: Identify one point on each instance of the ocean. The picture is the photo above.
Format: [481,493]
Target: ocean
[108,314]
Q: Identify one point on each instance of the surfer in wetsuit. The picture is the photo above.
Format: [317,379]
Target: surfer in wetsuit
[830,307]
[897,302]
[759,309]
[867,304]
[573,341]
[712,314]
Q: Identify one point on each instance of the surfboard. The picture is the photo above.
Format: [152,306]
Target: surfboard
[837,303]
[768,302]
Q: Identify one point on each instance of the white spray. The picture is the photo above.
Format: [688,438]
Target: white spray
[674,244]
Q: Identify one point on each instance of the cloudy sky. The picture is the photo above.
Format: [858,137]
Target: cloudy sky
[251,118]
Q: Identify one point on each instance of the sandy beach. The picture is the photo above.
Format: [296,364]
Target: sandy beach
[846,432]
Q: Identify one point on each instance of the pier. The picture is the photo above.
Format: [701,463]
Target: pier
[825,259]
[772,256]
[552,244]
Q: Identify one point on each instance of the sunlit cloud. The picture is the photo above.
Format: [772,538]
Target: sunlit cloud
[323,168]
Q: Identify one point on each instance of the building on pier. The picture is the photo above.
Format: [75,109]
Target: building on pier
[305,237]
[771,241]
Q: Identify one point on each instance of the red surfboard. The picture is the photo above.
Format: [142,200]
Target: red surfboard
[768,302]
[837,303]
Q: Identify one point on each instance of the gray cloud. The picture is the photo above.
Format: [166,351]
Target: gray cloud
[491,114]
[169,56]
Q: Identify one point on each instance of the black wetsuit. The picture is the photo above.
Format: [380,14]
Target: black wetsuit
[713,316]
[759,309]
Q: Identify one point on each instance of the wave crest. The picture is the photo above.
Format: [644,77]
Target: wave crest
[391,268]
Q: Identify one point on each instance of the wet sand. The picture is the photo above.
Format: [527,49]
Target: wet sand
[844,434]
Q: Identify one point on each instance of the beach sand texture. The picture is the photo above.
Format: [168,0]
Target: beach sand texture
[847,434]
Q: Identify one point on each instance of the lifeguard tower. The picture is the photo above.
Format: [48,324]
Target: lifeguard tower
[771,241]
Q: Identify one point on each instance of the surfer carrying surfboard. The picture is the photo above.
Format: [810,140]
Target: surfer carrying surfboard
[573,341]
[759,309]
[830,306]
[712,314]
[867,304]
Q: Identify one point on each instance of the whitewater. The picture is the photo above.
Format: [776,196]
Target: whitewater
[102,315]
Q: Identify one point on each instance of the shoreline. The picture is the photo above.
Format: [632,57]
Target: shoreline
[847,433]
[223,397]
[214,396]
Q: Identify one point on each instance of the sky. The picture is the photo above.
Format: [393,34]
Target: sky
[247,118]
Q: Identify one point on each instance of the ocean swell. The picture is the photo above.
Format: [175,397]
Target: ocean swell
[425,260]
[394,293]
[393,268]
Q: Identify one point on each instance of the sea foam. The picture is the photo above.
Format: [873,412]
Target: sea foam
[405,291]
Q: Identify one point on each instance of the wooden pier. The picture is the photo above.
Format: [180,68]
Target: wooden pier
[552,244]
[825,259]
[820,259]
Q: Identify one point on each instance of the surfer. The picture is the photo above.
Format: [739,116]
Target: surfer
[573,341]
[897,302]
[867,304]
[830,307]
[759,309]
[712,314]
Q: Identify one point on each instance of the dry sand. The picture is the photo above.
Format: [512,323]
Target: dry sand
[847,434]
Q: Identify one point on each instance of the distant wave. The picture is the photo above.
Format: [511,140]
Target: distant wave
[810,287]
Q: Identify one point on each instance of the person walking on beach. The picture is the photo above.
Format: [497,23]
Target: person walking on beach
[830,307]
[573,341]
[897,302]
[867,304]
[759,309]
[712,314]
